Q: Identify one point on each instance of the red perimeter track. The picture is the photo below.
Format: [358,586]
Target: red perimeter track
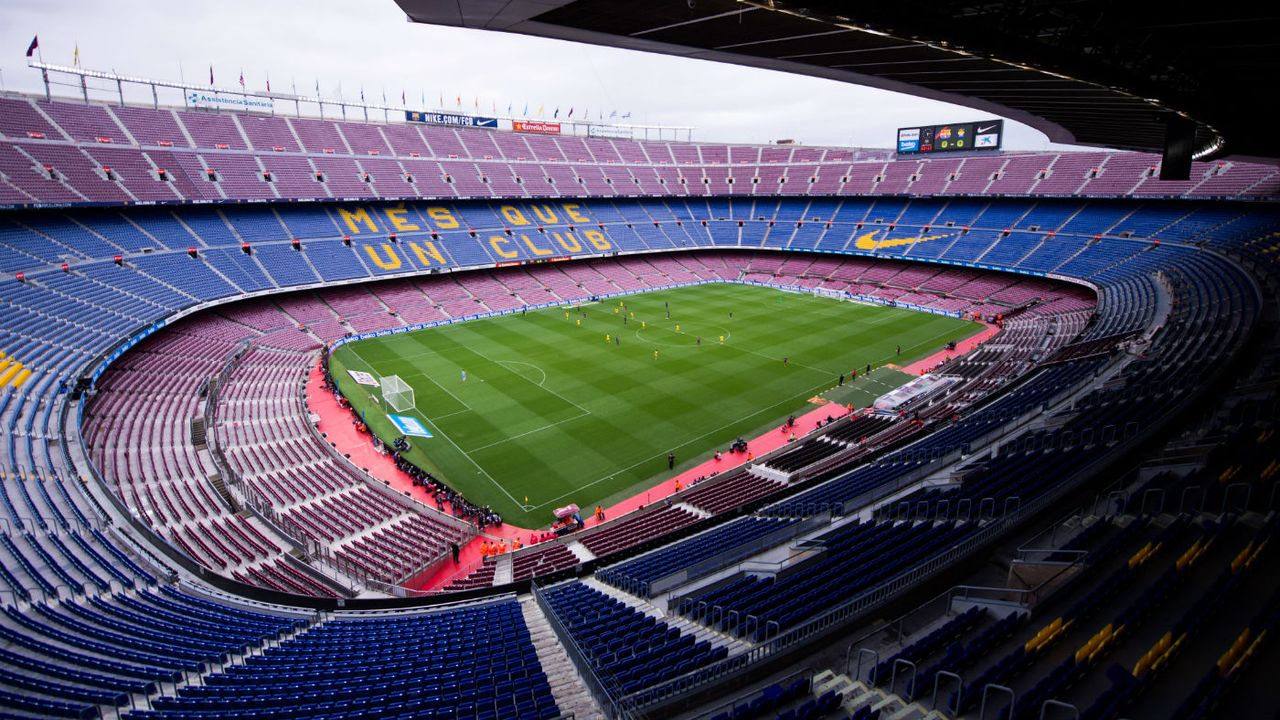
[338,425]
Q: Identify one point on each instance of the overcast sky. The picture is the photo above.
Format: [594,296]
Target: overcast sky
[369,44]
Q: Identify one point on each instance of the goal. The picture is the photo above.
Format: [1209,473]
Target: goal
[397,393]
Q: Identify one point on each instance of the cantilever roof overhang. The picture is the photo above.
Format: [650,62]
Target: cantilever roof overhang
[1074,71]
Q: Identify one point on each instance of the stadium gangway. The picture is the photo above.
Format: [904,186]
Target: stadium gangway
[847,611]
[1022,599]
[599,690]
[728,557]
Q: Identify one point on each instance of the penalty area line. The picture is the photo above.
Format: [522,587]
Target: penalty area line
[440,433]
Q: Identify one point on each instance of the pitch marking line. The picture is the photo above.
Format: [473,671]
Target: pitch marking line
[528,432]
[432,380]
[610,476]
[355,351]
[479,468]
[441,434]
[504,363]
[500,364]
[711,343]
[727,335]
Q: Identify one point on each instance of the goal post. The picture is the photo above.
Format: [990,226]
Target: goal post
[397,393]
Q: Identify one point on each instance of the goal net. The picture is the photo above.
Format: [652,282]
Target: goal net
[397,393]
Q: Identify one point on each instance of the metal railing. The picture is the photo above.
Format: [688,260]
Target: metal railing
[849,610]
[595,685]
[723,559]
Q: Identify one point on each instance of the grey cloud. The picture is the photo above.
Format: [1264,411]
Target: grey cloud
[369,43]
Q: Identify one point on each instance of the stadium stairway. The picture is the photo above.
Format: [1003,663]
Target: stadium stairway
[502,573]
[567,688]
[581,552]
[735,646]
[856,695]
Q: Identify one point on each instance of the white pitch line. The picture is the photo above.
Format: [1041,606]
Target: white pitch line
[441,434]
[535,367]
[432,380]
[529,432]
[579,488]
[729,334]
[540,387]
[460,401]
[478,465]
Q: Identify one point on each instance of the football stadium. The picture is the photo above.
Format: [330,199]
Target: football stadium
[316,408]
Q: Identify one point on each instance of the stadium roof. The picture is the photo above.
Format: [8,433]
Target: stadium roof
[1091,72]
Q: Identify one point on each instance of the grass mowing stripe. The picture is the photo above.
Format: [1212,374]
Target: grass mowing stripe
[439,433]
[690,441]
[557,413]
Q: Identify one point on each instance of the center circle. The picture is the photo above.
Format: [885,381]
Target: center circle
[669,338]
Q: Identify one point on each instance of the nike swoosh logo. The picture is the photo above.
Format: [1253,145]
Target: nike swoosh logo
[984,129]
[868,241]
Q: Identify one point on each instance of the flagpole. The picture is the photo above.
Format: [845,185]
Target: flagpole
[44,72]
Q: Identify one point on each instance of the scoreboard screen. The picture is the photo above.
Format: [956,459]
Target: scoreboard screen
[955,137]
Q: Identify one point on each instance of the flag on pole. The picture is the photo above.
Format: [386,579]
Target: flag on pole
[75,60]
[570,112]
[317,87]
[361,93]
[542,110]
[459,100]
[626,115]
[403,102]
[508,108]
[613,114]
[241,77]
[526,109]
[210,74]
[556,114]
[35,45]
[269,82]
[476,103]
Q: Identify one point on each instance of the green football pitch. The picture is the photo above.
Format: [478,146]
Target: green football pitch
[549,412]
